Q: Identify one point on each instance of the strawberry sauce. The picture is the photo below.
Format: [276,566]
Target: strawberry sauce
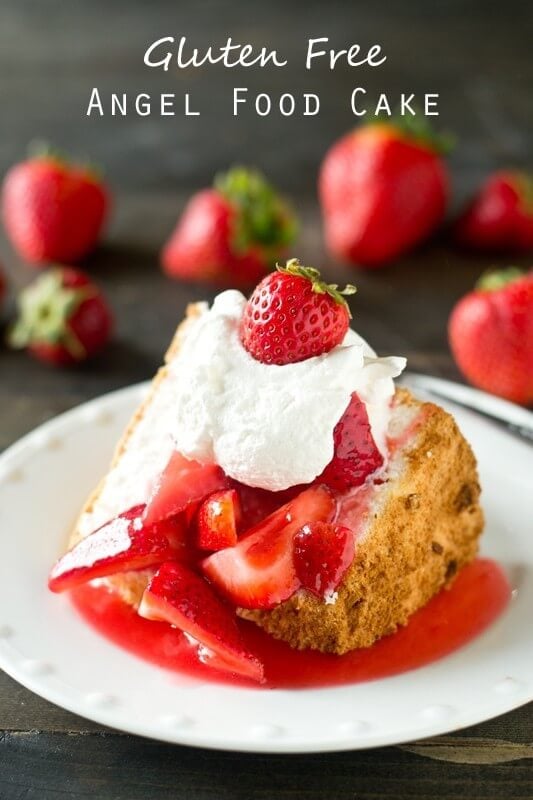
[450,620]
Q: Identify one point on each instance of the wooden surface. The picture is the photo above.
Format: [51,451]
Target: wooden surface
[478,56]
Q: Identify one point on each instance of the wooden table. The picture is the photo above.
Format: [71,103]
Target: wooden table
[477,55]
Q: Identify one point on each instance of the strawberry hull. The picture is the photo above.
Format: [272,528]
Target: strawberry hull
[63,318]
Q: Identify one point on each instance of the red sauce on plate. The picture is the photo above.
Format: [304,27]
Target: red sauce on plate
[450,620]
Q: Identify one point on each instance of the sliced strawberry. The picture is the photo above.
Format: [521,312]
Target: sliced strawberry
[322,554]
[256,504]
[259,571]
[356,455]
[190,512]
[179,596]
[182,482]
[218,519]
[125,543]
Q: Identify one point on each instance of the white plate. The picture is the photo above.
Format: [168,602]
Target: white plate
[45,646]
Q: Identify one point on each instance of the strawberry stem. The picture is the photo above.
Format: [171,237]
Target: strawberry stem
[293,267]
[416,127]
[493,280]
[524,186]
[263,218]
[45,310]
[41,149]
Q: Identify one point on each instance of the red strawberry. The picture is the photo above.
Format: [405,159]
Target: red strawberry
[189,513]
[322,554]
[125,543]
[355,455]
[259,571]
[180,597]
[256,503]
[63,318]
[182,483]
[230,234]
[500,216]
[491,335]
[383,189]
[53,210]
[218,519]
[293,315]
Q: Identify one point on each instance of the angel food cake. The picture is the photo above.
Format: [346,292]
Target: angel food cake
[274,473]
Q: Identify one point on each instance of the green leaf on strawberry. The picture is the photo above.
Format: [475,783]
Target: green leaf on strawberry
[40,149]
[524,185]
[230,234]
[493,280]
[263,218]
[318,286]
[417,128]
[45,308]
[63,317]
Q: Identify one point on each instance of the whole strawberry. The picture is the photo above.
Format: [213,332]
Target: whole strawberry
[491,335]
[63,318]
[293,315]
[383,189]
[53,210]
[500,216]
[231,234]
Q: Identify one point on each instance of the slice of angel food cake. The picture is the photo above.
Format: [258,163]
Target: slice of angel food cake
[274,473]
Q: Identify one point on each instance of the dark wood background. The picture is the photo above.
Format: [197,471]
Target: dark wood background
[478,56]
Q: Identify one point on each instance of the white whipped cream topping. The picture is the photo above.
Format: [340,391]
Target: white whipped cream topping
[265,425]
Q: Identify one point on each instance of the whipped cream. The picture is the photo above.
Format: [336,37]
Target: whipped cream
[267,426]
